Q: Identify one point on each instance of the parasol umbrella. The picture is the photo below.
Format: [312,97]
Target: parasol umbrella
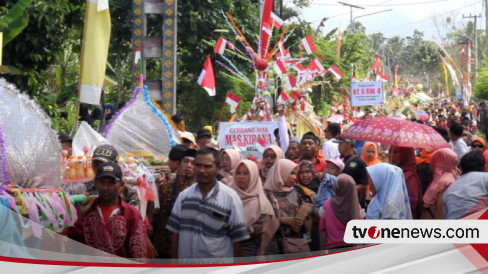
[397,132]
[422,115]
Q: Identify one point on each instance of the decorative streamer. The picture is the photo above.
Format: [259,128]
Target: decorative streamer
[251,55]
[234,73]
[235,68]
[445,76]
[3,160]
[161,116]
[240,33]
[275,47]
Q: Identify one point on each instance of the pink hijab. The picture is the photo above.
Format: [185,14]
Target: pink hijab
[235,157]
[279,155]
[256,204]
[278,174]
[443,164]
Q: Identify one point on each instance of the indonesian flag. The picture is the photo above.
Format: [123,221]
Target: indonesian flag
[279,67]
[207,79]
[308,44]
[261,144]
[265,24]
[230,45]
[316,64]
[289,81]
[284,53]
[220,45]
[266,28]
[304,107]
[376,64]
[233,100]
[277,21]
[294,96]
[137,56]
[282,98]
[381,77]
[336,72]
[354,79]
[299,67]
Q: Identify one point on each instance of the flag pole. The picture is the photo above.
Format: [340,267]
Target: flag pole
[222,111]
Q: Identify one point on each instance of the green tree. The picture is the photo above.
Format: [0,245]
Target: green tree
[481,87]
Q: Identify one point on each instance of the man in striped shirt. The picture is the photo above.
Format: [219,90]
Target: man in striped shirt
[207,218]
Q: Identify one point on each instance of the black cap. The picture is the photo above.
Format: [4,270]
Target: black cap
[190,153]
[109,169]
[105,153]
[64,138]
[342,139]
[203,132]
[312,136]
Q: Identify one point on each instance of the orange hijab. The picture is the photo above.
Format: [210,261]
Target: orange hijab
[481,140]
[375,159]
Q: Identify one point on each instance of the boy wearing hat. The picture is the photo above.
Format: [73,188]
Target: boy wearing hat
[107,222]
[325,192]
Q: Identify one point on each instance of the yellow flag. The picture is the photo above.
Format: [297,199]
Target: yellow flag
[1,46]
[96,39]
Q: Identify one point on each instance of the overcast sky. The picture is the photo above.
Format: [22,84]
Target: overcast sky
[405,16]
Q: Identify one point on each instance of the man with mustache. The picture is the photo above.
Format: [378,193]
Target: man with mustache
[207,218]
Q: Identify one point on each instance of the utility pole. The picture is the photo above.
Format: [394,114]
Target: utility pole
[475,44]
[350,6]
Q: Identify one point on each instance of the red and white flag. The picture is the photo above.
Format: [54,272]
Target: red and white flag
[317,65]
[299,67]
[261,144]
[294,96]
[354,79]
[279,67]
[230,45]
[289,81]
[207,79]
[381,77]
[308,44]
[137,56]
[266,28]
[233,100]
[220,45]
[336,72]
[277,21]
[282,98]
[284,53]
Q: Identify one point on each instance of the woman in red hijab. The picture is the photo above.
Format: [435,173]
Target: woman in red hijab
[404,158]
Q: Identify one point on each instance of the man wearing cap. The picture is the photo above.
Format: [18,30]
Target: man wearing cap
[309,146]
[188,140]
[104,154]
[169,190]
[207,219]
[204,138]
[330,150]
[354,166]
[107,222]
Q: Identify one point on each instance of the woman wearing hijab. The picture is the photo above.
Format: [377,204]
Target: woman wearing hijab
[307,188]
[339,210]
[479,144]
[230,159]
[271,154]
[404,157]
[391,198]
[443,164]
[370,154]
[293,151]
[285,202]
[260,218]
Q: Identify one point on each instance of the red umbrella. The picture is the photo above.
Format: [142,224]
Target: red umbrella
[397,132]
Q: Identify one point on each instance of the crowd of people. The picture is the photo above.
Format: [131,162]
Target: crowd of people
[299,197]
